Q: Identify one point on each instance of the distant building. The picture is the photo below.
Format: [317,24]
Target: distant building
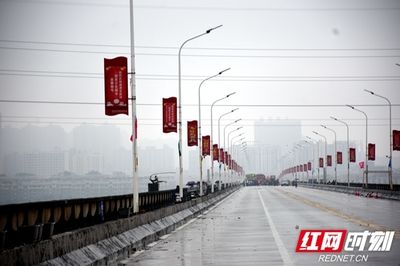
[41,164]
[82,162]
[154,160]
[277,132]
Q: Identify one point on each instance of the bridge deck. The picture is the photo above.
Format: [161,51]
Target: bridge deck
[259,226]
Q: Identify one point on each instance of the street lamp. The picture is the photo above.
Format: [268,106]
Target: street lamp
[348,148]
[296,159]
[390,172]
[200,147]
[219,140]
[229,133]
[232,142]
[326,147]
[366,142]
[135,189]
[211,137]
[312,157]
[314,164]
[334,156]
[233,150]
[180,108]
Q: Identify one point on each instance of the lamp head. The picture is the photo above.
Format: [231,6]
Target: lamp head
[348,105]
[230,94]
[334,118]
[224,71]
[369,92]
[209,30]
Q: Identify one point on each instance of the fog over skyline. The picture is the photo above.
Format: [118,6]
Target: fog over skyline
[301,60]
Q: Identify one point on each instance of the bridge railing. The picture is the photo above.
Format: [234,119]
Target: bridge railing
[35,221]
[373,190]
[32,222]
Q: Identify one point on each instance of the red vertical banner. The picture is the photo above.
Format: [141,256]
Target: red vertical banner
[339,157]
[229,161]
[226,158]
[329,160]
[321,162]
[297,168]
[309,166]
[169,115]
[371,152]
[192,133]
[305,167]
[221,155]
[116,86]
[396,140]
[205,143]
[301,168]
[215,152]
[352,152]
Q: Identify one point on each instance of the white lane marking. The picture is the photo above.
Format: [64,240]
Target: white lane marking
[281,247]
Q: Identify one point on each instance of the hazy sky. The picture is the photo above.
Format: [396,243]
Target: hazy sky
[279,52]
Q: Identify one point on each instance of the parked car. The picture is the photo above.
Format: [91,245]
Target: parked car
[285,183]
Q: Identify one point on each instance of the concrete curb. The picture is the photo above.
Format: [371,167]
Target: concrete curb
[110,250]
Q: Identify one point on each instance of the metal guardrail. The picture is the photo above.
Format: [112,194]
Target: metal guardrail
[373,190]
[32,222]
[27,223]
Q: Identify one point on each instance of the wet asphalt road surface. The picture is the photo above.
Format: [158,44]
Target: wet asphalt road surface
[261,225]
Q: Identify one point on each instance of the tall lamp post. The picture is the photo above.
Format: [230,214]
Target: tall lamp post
[180,108]
[234,154]
[390,172]
[135,202]
[326,148]
[366,142]
[228,149]
[334,156]
[211,137]
[200,147]
[316,142]
[232,143]
[312,156]
[348,148]
[219,141]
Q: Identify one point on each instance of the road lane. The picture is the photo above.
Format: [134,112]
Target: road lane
[377,211]
[241,231]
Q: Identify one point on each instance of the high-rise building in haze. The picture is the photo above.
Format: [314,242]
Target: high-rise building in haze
[271,138]
[277,132]
[155,160]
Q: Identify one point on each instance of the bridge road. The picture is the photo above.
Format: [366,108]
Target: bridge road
[258,226]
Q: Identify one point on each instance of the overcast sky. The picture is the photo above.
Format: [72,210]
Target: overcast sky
[279,52]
